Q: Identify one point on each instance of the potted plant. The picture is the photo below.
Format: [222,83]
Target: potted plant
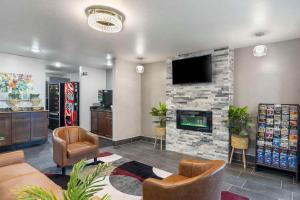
[239,125]
[161,114]
[79,188]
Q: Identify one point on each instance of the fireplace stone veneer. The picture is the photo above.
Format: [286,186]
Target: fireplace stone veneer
[215,97]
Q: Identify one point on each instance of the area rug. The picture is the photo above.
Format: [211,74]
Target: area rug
[126,178]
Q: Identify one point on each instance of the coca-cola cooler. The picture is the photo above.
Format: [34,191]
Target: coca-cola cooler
[69,110]
[63,104]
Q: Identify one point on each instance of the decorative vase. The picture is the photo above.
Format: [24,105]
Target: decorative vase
[35,100]
[160,131]
[14,100]
[239,142]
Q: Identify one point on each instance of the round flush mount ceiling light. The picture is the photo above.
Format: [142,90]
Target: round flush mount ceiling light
[260,50]
[140,69]
[105,19]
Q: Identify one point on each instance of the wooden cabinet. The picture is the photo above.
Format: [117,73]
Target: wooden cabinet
[20,127]
[101,123]
[23,127]
[5,129]
[94,121]
[39,125]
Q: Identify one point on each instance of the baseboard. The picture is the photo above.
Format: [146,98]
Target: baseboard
[126,141]
[237,156]
[14,147]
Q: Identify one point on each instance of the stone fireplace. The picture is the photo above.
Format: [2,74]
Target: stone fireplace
[192,107]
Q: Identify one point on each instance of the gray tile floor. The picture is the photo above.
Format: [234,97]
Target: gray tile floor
[255,185]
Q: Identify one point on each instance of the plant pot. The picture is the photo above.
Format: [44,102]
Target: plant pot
[239,142]
[160,131]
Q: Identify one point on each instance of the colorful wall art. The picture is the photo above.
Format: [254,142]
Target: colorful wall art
[15,86]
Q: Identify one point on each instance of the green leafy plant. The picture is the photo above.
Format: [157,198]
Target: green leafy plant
[238,121]
[78,188]
[160,113]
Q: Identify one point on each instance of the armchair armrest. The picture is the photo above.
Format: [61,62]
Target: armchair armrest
[59,150]
[88,136]
[11,158]
[191,168]
[154,189]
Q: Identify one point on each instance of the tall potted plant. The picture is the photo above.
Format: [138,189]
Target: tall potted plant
[239,125]
[161,113]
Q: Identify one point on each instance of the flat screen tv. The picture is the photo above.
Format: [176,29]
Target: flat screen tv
[192,70]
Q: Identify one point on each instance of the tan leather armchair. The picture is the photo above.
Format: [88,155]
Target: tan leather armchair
[197,180]
[72,144]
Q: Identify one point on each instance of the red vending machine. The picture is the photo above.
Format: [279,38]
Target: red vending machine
[69,104]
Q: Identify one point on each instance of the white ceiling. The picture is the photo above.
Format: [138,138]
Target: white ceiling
[153,29]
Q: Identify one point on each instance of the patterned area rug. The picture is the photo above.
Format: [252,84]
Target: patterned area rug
[125,180]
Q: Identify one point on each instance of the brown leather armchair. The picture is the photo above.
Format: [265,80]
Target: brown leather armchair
[72,144]
[197,180]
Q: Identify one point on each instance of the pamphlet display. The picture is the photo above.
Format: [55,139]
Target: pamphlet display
[277,140]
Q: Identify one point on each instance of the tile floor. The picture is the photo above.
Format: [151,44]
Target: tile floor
[262,185]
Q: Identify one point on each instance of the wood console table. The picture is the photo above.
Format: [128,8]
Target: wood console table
[23,127]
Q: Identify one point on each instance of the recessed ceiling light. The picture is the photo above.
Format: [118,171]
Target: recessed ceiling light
[57,64]
[35,50]
[108,56]
[105,19]
[109,63]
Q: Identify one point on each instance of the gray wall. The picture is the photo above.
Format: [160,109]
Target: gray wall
[153,92]
[270,79]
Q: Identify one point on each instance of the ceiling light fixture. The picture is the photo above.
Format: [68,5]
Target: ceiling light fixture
[260,50]
[109,63]
[105,19]
[57,64]
[140,69]
[35,50]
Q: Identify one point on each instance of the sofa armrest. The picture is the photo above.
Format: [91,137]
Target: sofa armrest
[59,150]
[191,168]
[11,158]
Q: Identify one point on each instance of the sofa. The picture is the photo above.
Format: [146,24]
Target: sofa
[196,180]
[15,173]
[72,144]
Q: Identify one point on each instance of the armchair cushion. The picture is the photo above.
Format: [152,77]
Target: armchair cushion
[80,149]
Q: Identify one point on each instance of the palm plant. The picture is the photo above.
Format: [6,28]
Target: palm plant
[238,120]
[78,188]
[161,113]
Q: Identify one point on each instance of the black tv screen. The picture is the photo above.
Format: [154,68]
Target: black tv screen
[107,98]
[192,70]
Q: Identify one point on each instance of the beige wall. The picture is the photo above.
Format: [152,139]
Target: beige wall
[24,65]
[270,79]
[126,101]
[153,92]
[89,86]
